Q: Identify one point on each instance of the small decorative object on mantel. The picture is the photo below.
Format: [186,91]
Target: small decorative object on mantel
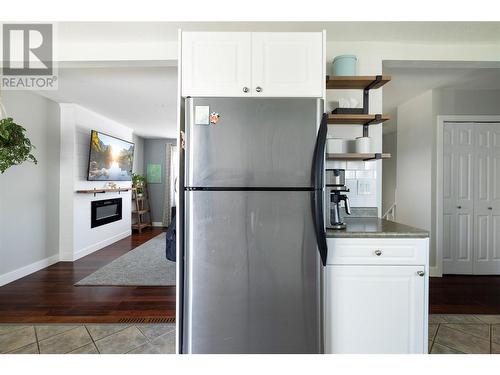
[110,185]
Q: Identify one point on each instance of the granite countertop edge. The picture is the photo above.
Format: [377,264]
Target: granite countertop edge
[364,227]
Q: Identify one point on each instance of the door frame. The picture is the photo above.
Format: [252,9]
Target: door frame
[441,121]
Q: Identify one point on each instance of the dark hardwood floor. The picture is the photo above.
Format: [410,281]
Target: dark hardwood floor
[463,294]
[49,295]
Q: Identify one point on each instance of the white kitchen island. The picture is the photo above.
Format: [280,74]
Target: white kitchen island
[376,287]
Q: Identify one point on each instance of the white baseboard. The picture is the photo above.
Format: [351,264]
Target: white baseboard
[26,270]
[434,272]
[157,224]
[99,245]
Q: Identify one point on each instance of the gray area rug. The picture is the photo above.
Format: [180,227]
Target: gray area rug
[145,265]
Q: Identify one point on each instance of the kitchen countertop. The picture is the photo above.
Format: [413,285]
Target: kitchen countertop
[368,227]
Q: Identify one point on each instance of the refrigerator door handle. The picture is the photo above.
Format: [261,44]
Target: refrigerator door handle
[317,194]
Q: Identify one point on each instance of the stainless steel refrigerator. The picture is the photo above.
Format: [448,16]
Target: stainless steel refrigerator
[253,231]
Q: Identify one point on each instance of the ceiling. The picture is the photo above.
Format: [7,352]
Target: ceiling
[428,32]
[142,98]
[142,95]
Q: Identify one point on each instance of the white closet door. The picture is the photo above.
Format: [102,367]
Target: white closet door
[458,198]
[487,200]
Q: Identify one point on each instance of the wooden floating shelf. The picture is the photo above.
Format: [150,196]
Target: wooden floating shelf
[356,119]
[356,156]
[356,82]
[102,191]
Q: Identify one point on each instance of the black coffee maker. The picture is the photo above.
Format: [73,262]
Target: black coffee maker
[335,187]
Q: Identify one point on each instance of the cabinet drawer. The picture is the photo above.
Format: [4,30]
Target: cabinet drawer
[395,251]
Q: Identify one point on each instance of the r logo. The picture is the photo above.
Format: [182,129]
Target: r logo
[27,50]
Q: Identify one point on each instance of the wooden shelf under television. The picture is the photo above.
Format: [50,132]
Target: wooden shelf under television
[102,191]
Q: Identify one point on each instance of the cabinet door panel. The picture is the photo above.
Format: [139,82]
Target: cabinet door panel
[216,63]
[287,64]
[375,309]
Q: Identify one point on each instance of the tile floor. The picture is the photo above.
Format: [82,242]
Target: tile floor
[87,339]
[448,334]
[464,334]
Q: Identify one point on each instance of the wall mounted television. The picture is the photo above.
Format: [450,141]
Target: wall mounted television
[110,158]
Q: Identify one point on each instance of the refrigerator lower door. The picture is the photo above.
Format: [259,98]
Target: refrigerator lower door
[251,273]
[254,143]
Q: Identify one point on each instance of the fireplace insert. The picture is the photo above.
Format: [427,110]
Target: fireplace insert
[105,211]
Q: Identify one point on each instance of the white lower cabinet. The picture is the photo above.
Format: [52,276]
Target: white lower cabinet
[376,307]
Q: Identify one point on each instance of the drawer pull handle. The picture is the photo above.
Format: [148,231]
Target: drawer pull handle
[378,252]
[420,273]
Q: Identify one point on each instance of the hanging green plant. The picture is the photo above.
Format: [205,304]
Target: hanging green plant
[15,147]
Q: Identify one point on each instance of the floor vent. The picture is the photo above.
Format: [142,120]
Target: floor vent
[147,320]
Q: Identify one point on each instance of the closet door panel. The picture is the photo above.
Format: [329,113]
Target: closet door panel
[487,200]
[458,198]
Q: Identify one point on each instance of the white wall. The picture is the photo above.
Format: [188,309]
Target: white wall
[415,141]
[76,124]
[389,173]
[29,194]
[468,102]
[138,167]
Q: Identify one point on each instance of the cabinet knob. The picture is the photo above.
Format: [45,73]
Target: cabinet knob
[420,273]
[459,207]
[490,208]
[245,89]
[378,252]
[258,89]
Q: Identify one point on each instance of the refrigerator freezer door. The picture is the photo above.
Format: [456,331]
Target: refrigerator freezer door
[254,142]
[252,273]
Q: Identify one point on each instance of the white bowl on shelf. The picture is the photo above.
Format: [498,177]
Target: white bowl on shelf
[363,145]
[336,145]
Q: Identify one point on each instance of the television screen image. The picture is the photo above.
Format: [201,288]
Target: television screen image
[110,158]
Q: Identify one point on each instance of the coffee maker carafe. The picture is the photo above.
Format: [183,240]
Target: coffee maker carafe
[335,187]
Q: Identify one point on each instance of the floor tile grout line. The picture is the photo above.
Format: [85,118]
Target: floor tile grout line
[60,333]
[36,338]
[100,338]
[463,332]
[446,346]
[150,340]
[491,337]
[434,338]
[92,339]
[140,330]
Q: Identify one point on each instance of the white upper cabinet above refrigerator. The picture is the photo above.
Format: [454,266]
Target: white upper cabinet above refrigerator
[216,64]
[245,64]
[287,64]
